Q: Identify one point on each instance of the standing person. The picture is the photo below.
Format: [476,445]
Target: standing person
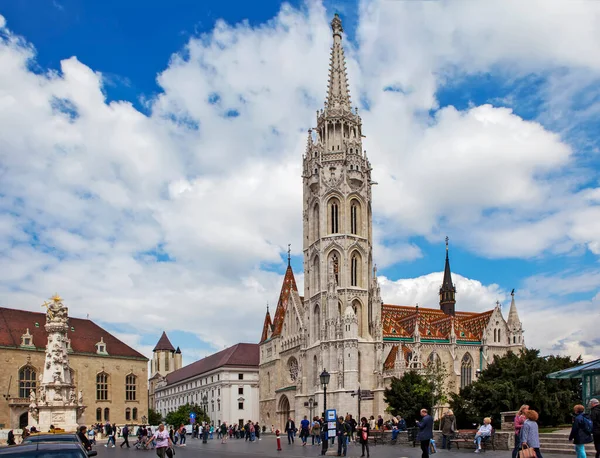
[182,436]
[363,435]
[257,431]
[380,422]
[290,428]
[530,436]
[581,432]
[425,432]
[595,417]
[353,424]
[205,434]
[485,430]
[343,431]
[92,435]
[448,427]
[125,432]
[304,430]
[10,440]
[223,433]
[519,420]
[81,434]
[163,441]
[316,431]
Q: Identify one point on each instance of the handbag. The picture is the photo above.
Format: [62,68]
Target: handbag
[527,452]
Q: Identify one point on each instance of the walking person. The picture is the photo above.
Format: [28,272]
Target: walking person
[290,429]
[163,441]
[110,432]
[363,435]
[304,430]
[530,435]
[223,433]
[448,427]
[581,432]
[595,417]
[182,436]
[425,432]
[257,431]
[519,420]
[316,431]
[125,432]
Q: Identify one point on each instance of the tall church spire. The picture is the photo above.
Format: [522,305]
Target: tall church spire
[447,291]
[338,94]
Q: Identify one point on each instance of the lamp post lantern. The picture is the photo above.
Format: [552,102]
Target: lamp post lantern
[324,379]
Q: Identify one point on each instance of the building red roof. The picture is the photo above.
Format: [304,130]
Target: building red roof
[84,334]
[240,355]
[402,321]
[266,326]
[164,343]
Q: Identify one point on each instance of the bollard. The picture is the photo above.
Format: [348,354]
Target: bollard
[278,440]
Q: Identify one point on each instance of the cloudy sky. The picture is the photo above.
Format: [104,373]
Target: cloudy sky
[150,158]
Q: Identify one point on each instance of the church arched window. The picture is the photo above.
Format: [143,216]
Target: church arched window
[316,275]
[315,371]
[495,335]
[466,370]
[355,217]
[317,323]
[315,223]
[357,307]
[499,339]
[433,360]
[354,273]
[334,208]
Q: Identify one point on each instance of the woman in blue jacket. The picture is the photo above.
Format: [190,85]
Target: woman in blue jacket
[579,432]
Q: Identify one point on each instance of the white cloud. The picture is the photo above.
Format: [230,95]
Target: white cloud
[92,192]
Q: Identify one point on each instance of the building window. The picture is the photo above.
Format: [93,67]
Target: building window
[240,376]
[334,210]
[130,387]
[354,219]
[128,414]
[98,414]
[167,362]
[241,390]
[135,413]
[158,365]
[240,405]
[102,387]
[107,414]
[466,371]
[354,271]
[27,381]
[219,406]
[218,391]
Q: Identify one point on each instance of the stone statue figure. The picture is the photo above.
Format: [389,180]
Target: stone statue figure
[56,312]
[80,397]
[72,397]
[32,397]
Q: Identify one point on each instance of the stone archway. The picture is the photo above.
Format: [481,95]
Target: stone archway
[283,411]
[23,420]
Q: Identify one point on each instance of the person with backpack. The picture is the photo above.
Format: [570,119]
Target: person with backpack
[581,432]
[595,417]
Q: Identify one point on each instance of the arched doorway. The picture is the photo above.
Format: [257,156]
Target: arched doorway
[283,411]
[23,420]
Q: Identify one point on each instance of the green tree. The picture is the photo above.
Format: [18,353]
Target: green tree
[516,379]
[181,416]
[154,418]
[409,394]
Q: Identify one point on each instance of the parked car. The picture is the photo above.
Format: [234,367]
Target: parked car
[57,437]
[46,450]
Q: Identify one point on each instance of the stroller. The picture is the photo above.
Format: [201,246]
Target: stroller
[142,444]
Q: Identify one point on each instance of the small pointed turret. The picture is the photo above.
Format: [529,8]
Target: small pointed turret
[514,323]
[448,290]
[338,94]
[267,326]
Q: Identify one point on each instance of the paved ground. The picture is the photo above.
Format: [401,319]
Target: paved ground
[267,447]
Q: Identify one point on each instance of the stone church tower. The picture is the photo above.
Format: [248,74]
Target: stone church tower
[336,325]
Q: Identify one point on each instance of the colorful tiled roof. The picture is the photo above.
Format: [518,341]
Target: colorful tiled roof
[401,321]
[84,334]
[164,343]
[266,326]
[287,288]
[390,361]
[240,355]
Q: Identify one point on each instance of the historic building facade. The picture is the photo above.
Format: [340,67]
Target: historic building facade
[340,322]
[224,385]
[111,375]
[165,359]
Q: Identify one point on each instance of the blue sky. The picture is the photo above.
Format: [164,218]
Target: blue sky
[150,155]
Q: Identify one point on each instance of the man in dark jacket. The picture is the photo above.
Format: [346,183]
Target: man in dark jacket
[81,434]
[125,434]
[595,417]
[425,432]
[290,429]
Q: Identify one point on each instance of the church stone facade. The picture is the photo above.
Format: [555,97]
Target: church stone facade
[340,323]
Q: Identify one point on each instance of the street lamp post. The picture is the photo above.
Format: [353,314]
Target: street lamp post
[324,378]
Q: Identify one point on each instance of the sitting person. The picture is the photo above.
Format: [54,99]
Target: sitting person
[401,424]
[485,430]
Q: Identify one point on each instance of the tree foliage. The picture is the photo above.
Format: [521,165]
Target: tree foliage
[409,394]
[181,416]
[154,418]
[516,379]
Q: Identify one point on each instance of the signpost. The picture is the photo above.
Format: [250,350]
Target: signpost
[192,418]
[331,418]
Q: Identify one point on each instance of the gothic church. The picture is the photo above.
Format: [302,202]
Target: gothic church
[340,323]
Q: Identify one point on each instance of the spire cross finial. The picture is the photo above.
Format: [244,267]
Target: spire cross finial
[512,293]
[497,303]
[267,306]
[447,240]
[289,254]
